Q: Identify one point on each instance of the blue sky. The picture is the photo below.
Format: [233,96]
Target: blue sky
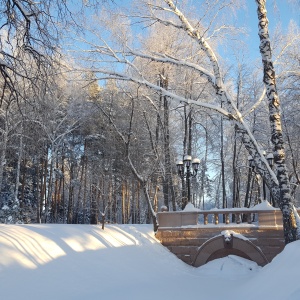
[279,12]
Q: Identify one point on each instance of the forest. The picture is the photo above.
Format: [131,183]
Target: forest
[100,100]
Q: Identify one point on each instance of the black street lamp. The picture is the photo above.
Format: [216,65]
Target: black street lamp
[187,169]
[270,160]
[264,183]
[251,162]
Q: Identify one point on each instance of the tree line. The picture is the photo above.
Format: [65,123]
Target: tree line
[87,140]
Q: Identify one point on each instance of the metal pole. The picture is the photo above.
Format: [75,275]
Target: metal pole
[184,196]
[264,189]
[188,177]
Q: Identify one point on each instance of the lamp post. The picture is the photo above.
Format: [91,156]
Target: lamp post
[270,160]
[264,183]
[187,169]
[251,162]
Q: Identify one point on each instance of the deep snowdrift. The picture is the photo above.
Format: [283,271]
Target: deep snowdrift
[126,261]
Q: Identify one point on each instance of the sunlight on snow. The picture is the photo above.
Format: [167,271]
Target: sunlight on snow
[139,268]
[114,237]
[25,247]
[83,243]
[99,239]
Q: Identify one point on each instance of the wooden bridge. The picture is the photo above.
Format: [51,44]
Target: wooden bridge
[199,236]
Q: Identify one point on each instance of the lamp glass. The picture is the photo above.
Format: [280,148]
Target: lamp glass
[196,163]
[187,160]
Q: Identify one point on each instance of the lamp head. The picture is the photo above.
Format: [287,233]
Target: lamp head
[180,167]
[270,159]
[187,160]
[251,162]
[195,164]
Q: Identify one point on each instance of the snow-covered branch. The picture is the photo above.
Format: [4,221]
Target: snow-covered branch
[258,102]
[143,81]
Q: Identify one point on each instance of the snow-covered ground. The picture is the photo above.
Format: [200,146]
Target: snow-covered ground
[68,262]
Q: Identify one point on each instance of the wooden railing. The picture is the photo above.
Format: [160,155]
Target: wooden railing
[272,217]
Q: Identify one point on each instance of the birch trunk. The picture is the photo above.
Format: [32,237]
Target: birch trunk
[49,186]
[20,154]
[185,151]
[3,155]
[169,189]
[279,184]
[224,196]
[283,195]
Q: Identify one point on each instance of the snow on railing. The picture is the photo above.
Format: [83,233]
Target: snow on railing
[261,215]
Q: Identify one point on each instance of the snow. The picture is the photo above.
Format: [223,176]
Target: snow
[227,234]
[190,207]
[264,205]
[62,262]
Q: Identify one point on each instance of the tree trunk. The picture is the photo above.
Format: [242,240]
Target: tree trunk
[85,162]
[3,154]
[79,205]
[247,198]
[63,185]
[224,198]
[168,188]
[37,190]
[293,158]
[94,204]
[71,196]
[189,152]
[20,154]
[44,175]
[138,207]
[235,194]
[123,201]
[282,194]
[185,142]
[147,196]
[279,186]
[51,181]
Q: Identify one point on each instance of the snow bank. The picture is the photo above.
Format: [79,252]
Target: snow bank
[126,262]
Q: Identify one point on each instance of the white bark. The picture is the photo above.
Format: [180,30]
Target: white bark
[278,183]
[141,179]
[4,133]
[214,79]
[281,192]
[20,154]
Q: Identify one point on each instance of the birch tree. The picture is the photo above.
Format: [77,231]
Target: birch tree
[277,180]
[284,198]
[286,60]
[144,174]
